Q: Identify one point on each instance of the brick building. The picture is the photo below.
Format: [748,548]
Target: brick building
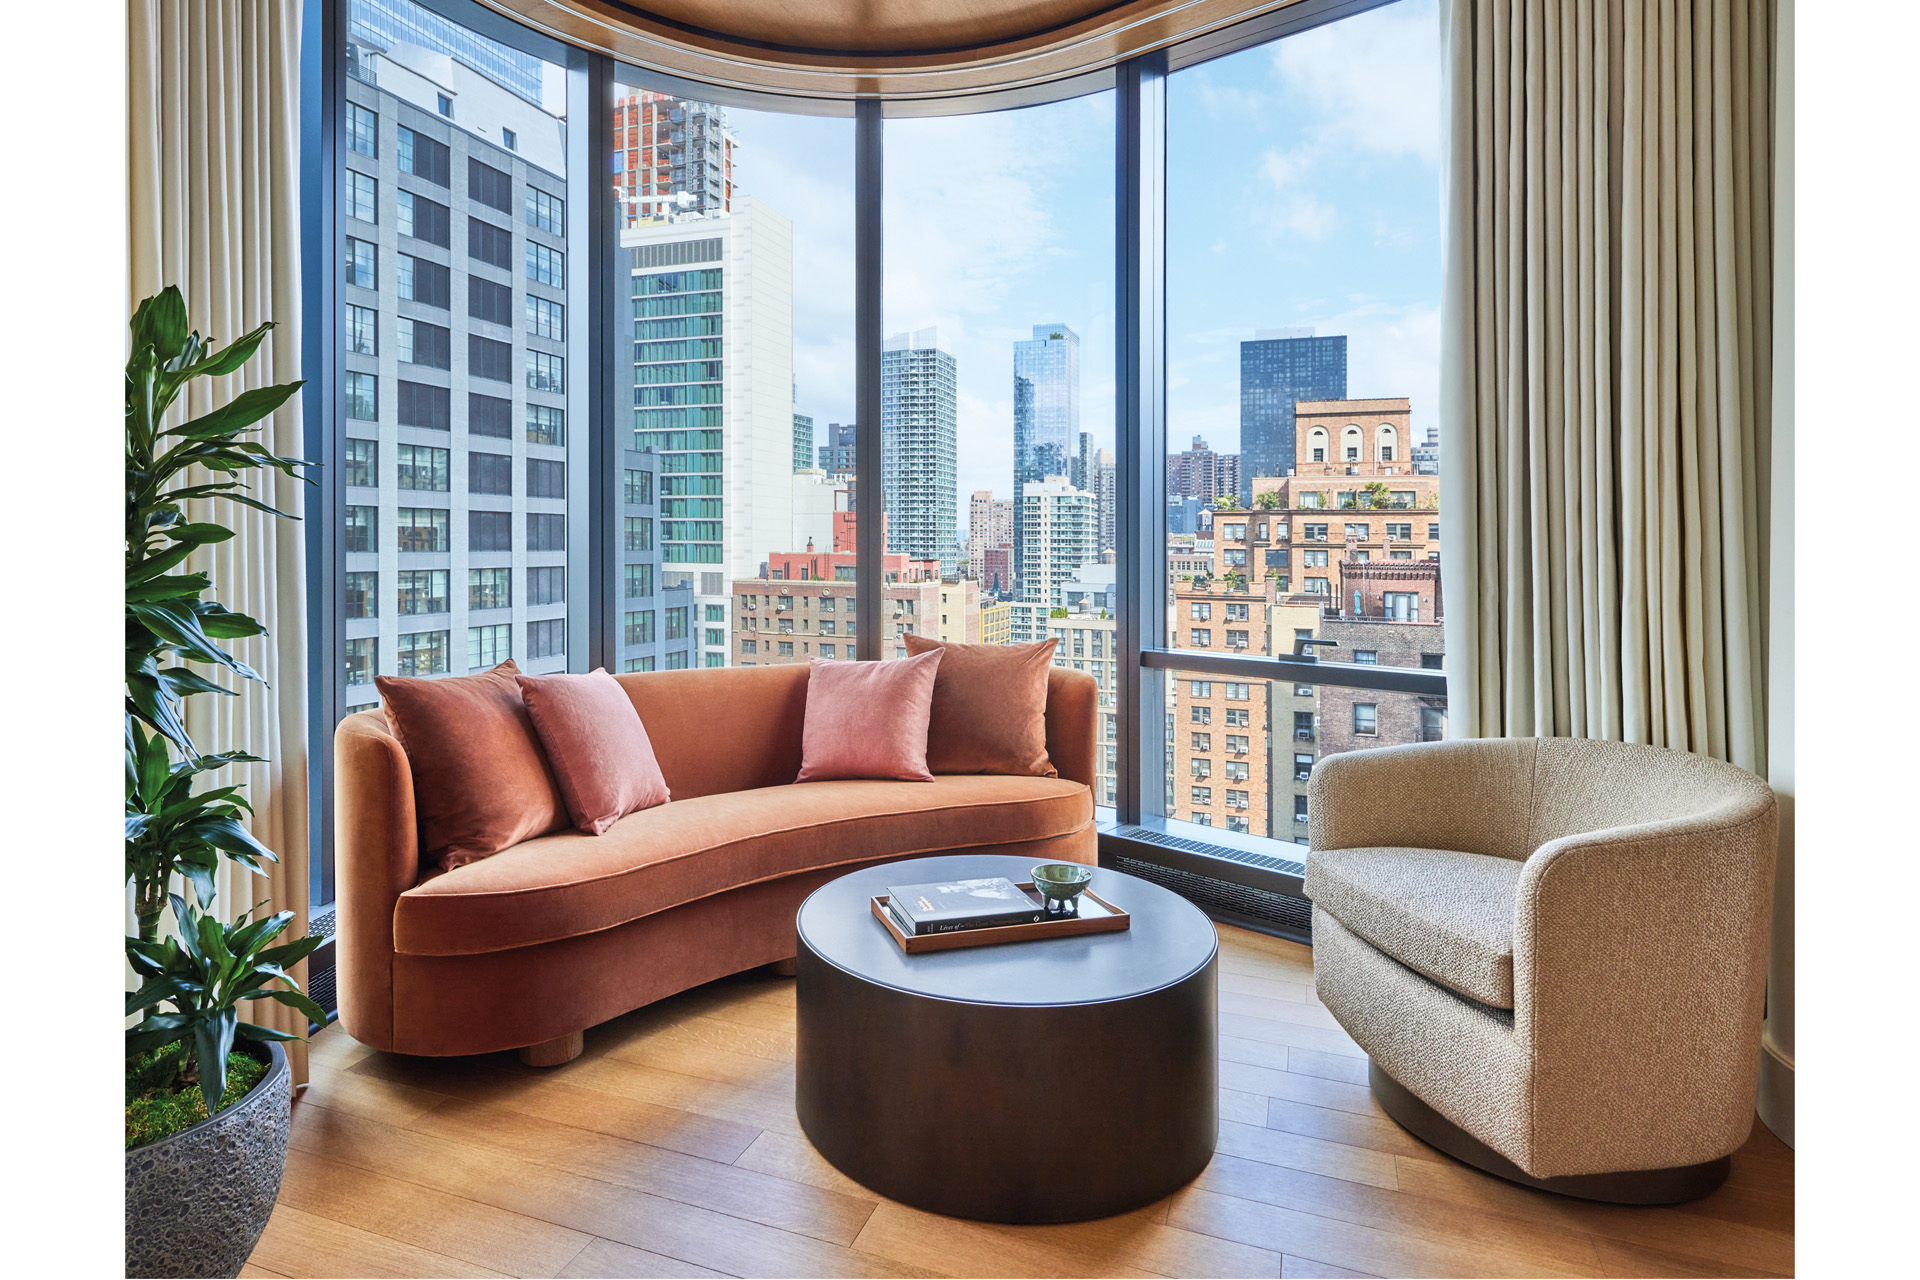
[1353,497]
[1398,624]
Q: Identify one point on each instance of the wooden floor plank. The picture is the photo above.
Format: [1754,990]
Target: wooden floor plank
[1292,1268]
[1532,1243]
[539,1092]
[724,1188]
[611,1260]
[297,1243]
[759,1108]
[252,1272]
[1298,1012]
[1247,1108]
[1333,1066]
[586,1204]
[1336,1095]
[1376,1133]
[445,1224]
[1349,1245]
[1326,1040]
[389,1101]
[1240,982]
[670,1148]
[1130,1245]
[1683,1230]
[1313,1155]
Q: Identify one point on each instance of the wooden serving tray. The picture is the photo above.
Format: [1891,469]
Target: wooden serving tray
[1112,918]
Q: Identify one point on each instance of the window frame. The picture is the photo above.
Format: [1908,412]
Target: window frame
[590,291]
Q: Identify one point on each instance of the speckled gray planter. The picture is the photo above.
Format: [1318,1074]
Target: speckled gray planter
[198,1201]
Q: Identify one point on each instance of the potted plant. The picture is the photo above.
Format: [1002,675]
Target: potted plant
[208,1096]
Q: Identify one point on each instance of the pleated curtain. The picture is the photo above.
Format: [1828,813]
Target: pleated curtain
[213,165]
[1606,369]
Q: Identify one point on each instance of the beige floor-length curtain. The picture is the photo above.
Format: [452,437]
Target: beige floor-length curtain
[213,120]
[1606,369]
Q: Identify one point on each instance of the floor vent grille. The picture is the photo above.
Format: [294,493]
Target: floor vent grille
[1242,856]
[1224,898]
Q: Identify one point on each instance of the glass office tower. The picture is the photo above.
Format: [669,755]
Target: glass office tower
[1046,416]
[1277,368]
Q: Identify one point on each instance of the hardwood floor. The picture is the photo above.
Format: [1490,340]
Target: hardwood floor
[670,1149]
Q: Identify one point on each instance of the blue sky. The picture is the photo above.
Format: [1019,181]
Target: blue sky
[1304,191]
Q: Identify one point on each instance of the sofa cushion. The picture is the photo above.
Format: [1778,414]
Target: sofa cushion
[481,781]
[562,885]
[596,745]
[867,720]
[989,707]
[1445,914]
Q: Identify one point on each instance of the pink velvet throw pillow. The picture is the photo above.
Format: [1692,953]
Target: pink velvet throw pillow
[868,719]
[599,750]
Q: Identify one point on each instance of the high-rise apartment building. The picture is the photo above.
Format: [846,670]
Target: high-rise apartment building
[1105,483]
[457,398]
[1046,416]
[989,529]
[1201,473]
[704,287]
[919,447]
[1277,368]
[802,442]
[1058,520]
[657,626]
[1426,456]
[374,26]
[836,455]
[671,155]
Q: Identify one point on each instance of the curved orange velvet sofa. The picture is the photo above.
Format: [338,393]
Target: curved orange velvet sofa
[565,931]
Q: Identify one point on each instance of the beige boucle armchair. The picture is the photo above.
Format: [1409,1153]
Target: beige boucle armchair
[1553,950]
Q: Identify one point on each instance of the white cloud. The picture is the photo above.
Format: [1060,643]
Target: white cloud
[1373,80]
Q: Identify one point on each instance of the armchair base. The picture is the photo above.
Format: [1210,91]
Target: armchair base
[1640,1186]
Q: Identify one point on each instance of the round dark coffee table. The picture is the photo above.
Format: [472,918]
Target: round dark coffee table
[1046,1081]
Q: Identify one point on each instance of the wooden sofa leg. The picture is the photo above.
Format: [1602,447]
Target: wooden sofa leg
[552,1053]
[784,967]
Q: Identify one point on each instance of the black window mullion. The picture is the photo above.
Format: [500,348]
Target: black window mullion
[1141,428]
[869,545]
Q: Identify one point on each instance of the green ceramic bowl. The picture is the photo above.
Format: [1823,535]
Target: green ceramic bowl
[1061,882]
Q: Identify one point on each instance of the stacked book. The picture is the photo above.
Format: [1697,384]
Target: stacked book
[949,906]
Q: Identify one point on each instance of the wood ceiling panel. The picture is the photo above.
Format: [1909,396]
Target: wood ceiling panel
[894,49]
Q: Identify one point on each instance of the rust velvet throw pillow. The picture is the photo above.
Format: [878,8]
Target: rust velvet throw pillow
[867,719]
[480,779]
[989,708]
[599,750]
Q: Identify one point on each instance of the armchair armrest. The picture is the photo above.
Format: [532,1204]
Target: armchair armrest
[1640,971]
[1472,795]
[376,858]
[1073,714]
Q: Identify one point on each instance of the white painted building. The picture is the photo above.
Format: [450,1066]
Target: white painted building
[713,391]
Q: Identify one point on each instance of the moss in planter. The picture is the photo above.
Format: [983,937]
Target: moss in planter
[155,1112]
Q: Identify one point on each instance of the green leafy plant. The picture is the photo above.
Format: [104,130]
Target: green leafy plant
[172,829]
[166,614]
[1226,502]
[1377,494]
[1268,501]
[204,974]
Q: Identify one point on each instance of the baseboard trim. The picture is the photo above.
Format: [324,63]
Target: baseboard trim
[1774,1100]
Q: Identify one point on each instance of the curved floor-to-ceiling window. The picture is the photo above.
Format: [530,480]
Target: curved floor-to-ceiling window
[1303,346]
[997,388]
[592,397]
[734,261]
